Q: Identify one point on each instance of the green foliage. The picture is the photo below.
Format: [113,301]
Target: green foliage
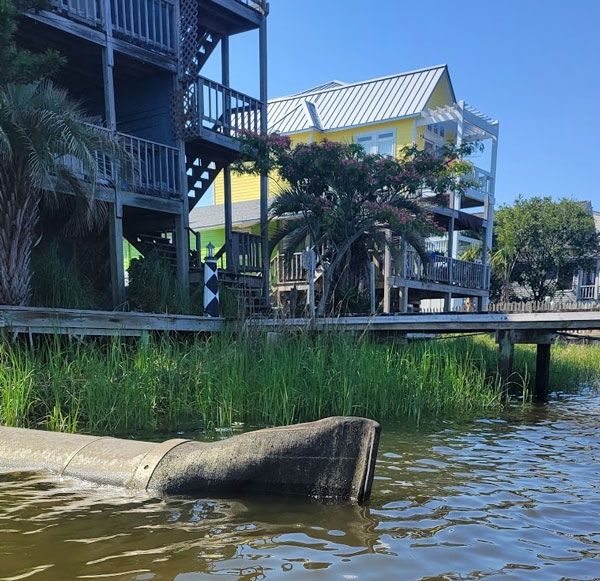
[119,387]
[342,201]
[17,376]
[540,244]
[56,282]
[46,144]
[18,65]
[152,286]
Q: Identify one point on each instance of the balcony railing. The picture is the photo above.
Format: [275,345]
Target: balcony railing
[88,11]
[246,254]
[256,4]
[226,111]
[443,270]
[481,181]
[149,23]
[587,292]
[153,168]
[285,272]
[150,168]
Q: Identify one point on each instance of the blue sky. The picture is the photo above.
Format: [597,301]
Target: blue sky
[531,64]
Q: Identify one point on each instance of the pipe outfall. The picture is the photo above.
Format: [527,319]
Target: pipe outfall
[333,458]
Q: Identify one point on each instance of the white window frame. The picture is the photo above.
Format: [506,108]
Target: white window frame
[377,138]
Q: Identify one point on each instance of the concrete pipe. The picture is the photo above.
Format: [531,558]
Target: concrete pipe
[330,458]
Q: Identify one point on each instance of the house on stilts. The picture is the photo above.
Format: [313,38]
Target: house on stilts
[139,68]
[384,115]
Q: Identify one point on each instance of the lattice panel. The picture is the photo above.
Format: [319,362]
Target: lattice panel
[185,107]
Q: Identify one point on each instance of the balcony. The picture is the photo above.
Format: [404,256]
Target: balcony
[259,5]
[232,16]
[151,169]
[441,270]
[218,114]
[587,292]
[147,23]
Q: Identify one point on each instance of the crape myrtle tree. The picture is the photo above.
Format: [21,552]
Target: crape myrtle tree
[339,201]
[542,243]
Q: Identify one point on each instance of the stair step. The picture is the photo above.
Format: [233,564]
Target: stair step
[201,173]
[207,43]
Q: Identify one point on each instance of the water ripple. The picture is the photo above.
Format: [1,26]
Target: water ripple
[512,497]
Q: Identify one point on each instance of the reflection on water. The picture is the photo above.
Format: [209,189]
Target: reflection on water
[513,497]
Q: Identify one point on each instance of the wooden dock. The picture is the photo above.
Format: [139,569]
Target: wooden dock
[509,329]
[79,323]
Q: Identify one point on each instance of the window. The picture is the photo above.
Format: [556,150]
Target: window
[434,137]
[381,142]
[437,129]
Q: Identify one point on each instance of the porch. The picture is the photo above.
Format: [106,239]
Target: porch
[151,169]
[150,23]
[412,271]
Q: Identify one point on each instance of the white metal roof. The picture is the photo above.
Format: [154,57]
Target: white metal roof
[337,105]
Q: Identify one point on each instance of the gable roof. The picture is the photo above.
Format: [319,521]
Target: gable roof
[337,105]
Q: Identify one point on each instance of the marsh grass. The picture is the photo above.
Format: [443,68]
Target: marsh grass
[153,384]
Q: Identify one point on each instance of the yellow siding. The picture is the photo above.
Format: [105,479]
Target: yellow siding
[442,95]
[246,187]
[404,132]
[243,188]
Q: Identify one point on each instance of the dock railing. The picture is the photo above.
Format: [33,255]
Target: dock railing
[543,306]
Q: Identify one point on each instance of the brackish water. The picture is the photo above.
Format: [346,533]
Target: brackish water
[512,497]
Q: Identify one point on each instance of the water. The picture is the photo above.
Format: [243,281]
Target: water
[513,497]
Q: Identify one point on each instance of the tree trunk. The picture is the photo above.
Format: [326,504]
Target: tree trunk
[19,214]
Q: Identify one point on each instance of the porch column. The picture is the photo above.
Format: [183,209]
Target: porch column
[489,211]
[115,243]
[231,260]
[451,245]
[182,219]
[264,180]
[115,218]
[387,274]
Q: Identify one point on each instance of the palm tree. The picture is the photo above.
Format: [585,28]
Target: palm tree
[342,227]
[47,144]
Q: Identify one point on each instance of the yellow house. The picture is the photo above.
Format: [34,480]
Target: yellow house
[383,115]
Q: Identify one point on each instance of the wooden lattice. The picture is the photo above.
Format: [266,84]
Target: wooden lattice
[185,108]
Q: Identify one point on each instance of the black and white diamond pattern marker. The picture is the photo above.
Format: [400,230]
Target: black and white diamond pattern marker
[211,288]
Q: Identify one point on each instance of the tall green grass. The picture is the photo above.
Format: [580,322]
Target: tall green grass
[152,384]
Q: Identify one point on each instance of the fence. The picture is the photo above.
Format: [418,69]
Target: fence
[543,306]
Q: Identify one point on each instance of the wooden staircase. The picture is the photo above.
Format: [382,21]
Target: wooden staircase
[201,173]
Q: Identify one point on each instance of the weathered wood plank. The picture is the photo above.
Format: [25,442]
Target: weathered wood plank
[38,320]
[81,323]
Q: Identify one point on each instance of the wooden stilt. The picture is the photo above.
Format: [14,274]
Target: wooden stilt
[506,350]
[542,372]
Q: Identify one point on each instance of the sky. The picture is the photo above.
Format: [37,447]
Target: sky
[531,64]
